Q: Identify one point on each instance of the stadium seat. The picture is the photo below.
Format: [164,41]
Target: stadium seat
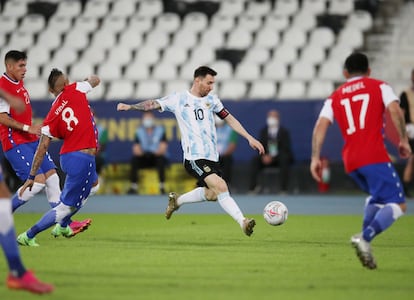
[322,36]
[232,89]
[123,8]
[109,71]
[267,38]
[103,39]
[167,22]
[37,56]
[360,19]
[177,85]
[85,24]
[137,71]
[32,72]
[302,70]
[64,57]
[316,7]
[304,20]
[351,37]
[8,24]
[195,21]
[294,37]
[37,88]
[150,8]
[94,55]
[212,37]
[131,39]
[313,54]
[119,55]
[247,71]
[95,9]
[120,90]
[113,24]
[285,54]
[49,39]
[341,7]
[69,9]
[277,23]
[15,9]
[292,90]
[185,38]
[257,55]
[339,52]
[81,70]
[258,8]
[231,8]
[21,40]
[60,24]
[76,40]
[286,7]
[157,39]
[320,89]
[202,55]
[147,55]
[331,70]
[262,90]
[148,89]
[249,23]
[187,70]
[164,71]
[140,23]
[175,55]
[223,68]
[239,39]
[32,23]
[275,70]
[222,23]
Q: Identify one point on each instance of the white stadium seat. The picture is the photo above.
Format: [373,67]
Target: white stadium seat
[262,89]
[148,89]
[302,70]
[320,89]
[247,70]
[232,89]
[177,85]
[292,89]
[120,90]
[37,88]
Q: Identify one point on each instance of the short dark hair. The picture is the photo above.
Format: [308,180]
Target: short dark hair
[356,63]
[53,76]
[203,71]
[15,55]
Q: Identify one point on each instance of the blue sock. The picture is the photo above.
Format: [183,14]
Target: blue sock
[384,218]
[48,219]
[370,211]
[17,202]
[11,251]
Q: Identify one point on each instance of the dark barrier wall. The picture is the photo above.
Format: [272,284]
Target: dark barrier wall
[298,116]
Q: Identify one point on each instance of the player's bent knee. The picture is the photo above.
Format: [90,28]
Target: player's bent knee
[62,211]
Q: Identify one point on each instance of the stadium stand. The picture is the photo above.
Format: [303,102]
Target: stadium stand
[247,41]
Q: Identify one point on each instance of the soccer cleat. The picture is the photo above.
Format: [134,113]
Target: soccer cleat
[363,251]
[79,226]
[172,205]
[63,231]
[28,282]
[24,240]
[248,225]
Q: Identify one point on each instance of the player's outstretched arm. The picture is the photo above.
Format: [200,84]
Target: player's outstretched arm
[143,106]
[37,161]
[93,80]
[318,137]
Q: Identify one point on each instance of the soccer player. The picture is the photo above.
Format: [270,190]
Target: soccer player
[71,120]
[358,106]
[194,111]
[19,138]
[19,277]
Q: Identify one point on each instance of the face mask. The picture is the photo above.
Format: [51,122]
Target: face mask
[272,122]
[148,122]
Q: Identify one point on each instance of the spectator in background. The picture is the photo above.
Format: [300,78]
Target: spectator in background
[407,104]
[278,152]
[149,151]
[226,144]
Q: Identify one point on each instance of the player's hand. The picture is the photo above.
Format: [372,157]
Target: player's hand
[316,169]
[27,184]
[255,144]
[123,106]
[35,129]
[404,149]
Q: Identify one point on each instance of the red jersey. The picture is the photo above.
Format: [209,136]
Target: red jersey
[11,137]
[358,106]
[71,120]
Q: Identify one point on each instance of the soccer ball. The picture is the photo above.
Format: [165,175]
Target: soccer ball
[275,213]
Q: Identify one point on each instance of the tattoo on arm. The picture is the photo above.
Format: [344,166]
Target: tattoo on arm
[146,105]
[40,153]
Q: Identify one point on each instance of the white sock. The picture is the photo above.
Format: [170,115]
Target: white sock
[53,189]
[6,219]
[230,206]
[29,194]
[196,195]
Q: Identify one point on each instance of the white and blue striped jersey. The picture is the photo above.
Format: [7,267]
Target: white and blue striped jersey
[195,117]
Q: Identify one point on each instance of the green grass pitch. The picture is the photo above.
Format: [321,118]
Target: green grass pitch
[208,257]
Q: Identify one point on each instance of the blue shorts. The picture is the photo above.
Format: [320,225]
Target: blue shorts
[381,181]
[21,157]
[80,170]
